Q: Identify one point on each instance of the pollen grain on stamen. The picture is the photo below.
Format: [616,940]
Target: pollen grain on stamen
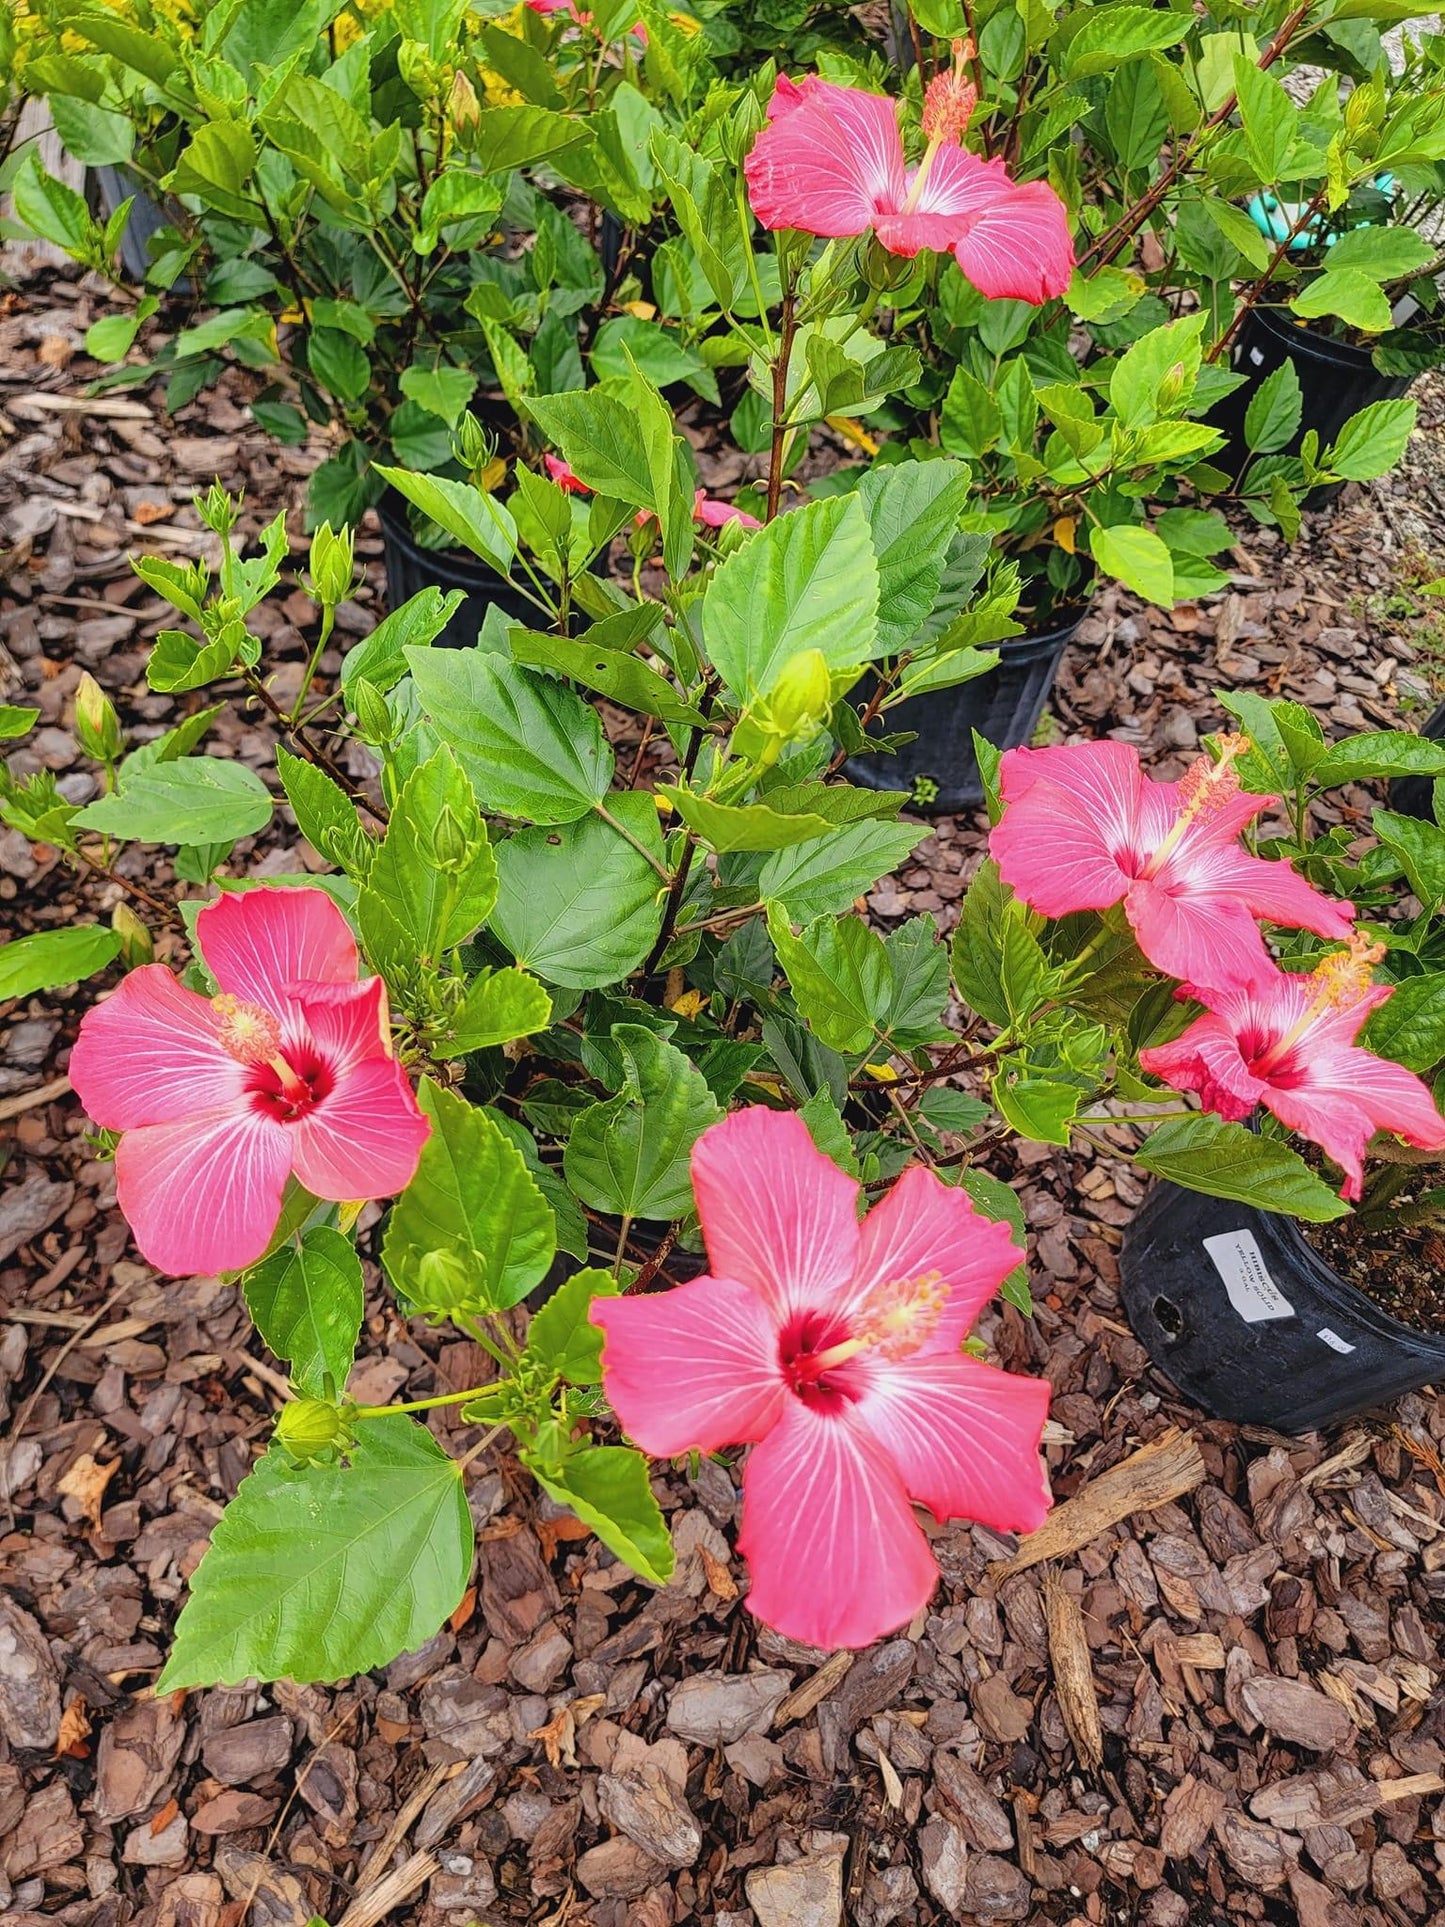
[949,100]
[1207,785]
[895,1318]
[248,1033]
[1342,979]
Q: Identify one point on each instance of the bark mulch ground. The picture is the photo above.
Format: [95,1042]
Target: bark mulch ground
[1209,1693]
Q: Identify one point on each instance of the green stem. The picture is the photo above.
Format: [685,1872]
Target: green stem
[328,623]
[636,842]
[424,1404]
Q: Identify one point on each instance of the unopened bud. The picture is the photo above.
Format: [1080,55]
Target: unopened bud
[472,445]
[97,727]
[444,1282]
[464,110]
[309,1428]
[803,693]
[450,844]
[331,565]
[217,510]
[373,714]
[1173,387]
[136,947]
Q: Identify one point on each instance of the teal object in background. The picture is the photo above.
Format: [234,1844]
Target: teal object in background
[1274,218]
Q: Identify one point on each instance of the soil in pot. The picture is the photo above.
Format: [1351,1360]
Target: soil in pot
[1004,706]
[1255,1324]
[410,568]
[1337,378]
[1399,1267]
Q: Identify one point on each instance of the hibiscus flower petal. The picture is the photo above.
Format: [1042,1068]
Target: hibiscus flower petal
[1207,1058]
[1011,239]
[1340,1097]
[1068,835]
[776,1214]
[1196,935]
[836,1555]
[364,1138]
[151,1054]
[1272,889]
[964,1437]
[258,944]
[693,1369]
[346,1024]
[203,1194]
[924,1225]
[828,161]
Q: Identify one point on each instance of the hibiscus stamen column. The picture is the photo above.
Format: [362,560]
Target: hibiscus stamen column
[948,107]
[1340,982]
[252,1036]
[1205,789]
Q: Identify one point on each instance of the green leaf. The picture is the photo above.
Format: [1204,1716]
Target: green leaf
[1041,1108]
[110,338]
[1111,35]
[93,134]
[579,905]
[381,658]
[999,1201]
[603,443]
[323,1572]
[615,673]
[1379,752]
[825,1124]
[977,947]
[509,137]
[971,421]
[49,208]
[471,1232]
[838,972]
[1409,1027]
[443,391]
[630,1154]
[530,747]
[1373,440]
[435,870]
[55,957]
[1387,253]
[823,876]
[608,1488]
[913,510]
[216,166]
[307,1302]
[561,1336]
[747,826]
[1349,293]
[478,521]
[16,722]
[1204,1153]
[325,814]
[809,580]
[197,799]
[1270,118]
[1420,846]
[501,1006]
[1138,558]
[1272,418]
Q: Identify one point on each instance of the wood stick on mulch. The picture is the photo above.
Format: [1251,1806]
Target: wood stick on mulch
[1073,1671]
[1163,1470]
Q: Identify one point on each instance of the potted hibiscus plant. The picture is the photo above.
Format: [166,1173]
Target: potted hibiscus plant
[1278,1310]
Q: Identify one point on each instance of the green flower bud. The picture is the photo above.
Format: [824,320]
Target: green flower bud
[802,696]
[309,1428]
[1173,388]
[373,714]
[472,445]
[450,843]
[444,1282]
[217,510]
[331,565]
[882,270]
[97,726]
[136,947]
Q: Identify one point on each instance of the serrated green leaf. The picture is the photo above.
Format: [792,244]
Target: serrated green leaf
[615,673]
[562,1337]
[1373,440]
[197,799]
[748,826]
[324,814]
[1409,1027]
[630,1154]
[609,1489]
[823,876]
[1272,418]
[838,972]
[435,869]
[501,1006]
[479,522]
[380,658]
[1377,753]
[1138,558]
[323,1572]
[1224,1160]
[913,510]
[579,905]
[307,1302]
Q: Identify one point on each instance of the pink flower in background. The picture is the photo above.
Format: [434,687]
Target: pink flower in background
[1084,828]
[1288,1042]
[832,1347]
[221,1099]
[561,473]
[713,514]
[830,161]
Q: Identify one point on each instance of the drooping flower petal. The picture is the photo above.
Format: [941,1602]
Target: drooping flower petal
[692,1369]
[776,1214]
[829,160]
[1069,820]
[1191,933]
[258,944]
[151,1054]
[1206,1058]
[1010,239]
[364,1137]
[924,1226]
[1372,1095]
[203,1194]
[964,1437]
[836,1555]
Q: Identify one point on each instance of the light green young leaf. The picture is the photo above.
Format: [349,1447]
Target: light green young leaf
[16,721]
[471,1232]
[1138,558]
[1272,419]
[1373,440]
[307,1302]
[561,1336]
[323,1572]
[479,522]
[530,747]
[1356,297]
[501,1005]
[435,870]
[741,826]
[55,957]
[630,1154]
[324,814]
[609,1489]
[823,876]
[838,972]
[380,658]
[197,799]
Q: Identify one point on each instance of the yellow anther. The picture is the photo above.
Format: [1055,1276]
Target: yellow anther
[248,1033]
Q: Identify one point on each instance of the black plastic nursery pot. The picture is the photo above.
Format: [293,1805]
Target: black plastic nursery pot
[1415,795]
[113,185]
[1336,379]
[1250,1322]
[411,568]
[1004,706]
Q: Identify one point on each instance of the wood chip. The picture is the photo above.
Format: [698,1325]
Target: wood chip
[816,1688]
[1163,1470]
[1073,1671]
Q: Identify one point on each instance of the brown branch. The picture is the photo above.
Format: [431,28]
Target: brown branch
[1257,288]
[786,334]
[296,734]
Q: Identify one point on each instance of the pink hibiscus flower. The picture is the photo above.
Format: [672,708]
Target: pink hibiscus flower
[562,474]
[1288,1042]
[1084,828]
[706,509]
[220,1099]
[832,1347]
[830,161]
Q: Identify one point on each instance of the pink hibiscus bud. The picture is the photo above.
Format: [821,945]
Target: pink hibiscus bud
[562,474]
[831,162]
[1083,828]
[287,1071]
[1288,1042]
[833,1348]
